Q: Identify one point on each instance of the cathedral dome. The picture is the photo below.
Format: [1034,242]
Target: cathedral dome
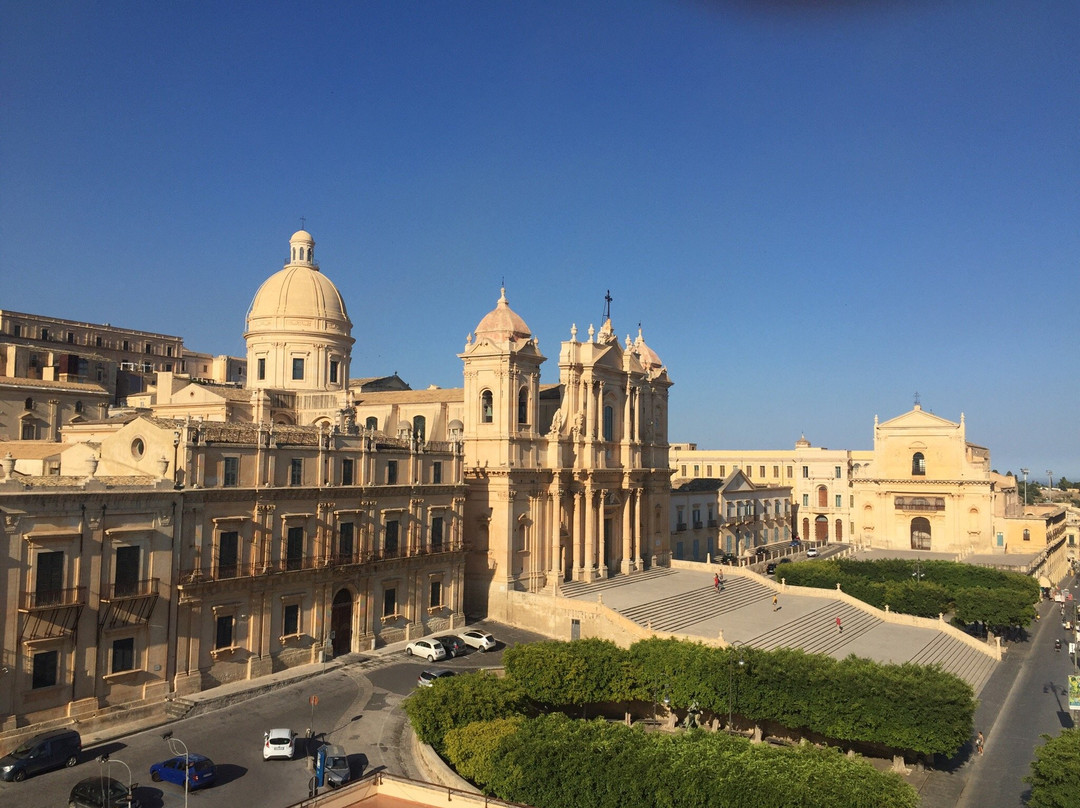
[299,290]
[502,323]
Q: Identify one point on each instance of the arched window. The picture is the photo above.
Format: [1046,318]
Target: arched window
[294,253]
[523,405]
[487,408]
[419,426]
[609,422]
[78,406]
[918,465]
[1027,534]
[823,497]
[28,404]
[371,423]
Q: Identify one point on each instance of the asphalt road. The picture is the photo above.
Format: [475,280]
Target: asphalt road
[1038,703]
[359,707]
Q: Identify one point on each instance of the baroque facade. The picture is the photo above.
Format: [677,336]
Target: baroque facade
[209,532]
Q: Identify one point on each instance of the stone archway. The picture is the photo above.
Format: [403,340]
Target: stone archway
[821,529]
[341,618]
[920,533]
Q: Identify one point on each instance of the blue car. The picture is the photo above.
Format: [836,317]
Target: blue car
[200,771]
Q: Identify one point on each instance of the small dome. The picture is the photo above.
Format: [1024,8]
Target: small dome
[502,323]
[647,355]
[302,235]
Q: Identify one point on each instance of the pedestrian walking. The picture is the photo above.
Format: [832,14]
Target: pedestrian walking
[716,582]
[839,626]
[979,743]
[721,576]
[775,605]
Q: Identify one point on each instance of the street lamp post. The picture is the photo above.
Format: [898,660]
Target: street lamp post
[107,761]
[1050,494]
[170,740]
[731,681]
[1025,473]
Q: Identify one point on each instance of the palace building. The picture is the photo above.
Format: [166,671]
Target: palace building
[273,510]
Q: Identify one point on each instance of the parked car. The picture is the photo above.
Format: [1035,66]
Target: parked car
[431,650]
[42,753]
[453,645]
[770,568]
[728,558]
[200,771]
[428,678]
[279,743]
[101,792]
[480,640]
[335,762]
[811,552]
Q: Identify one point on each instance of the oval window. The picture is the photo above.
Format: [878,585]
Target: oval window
[138,447]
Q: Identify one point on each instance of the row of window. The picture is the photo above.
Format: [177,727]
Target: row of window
[721,471]
[225,624]
[70,337]
[231,472]
[298,369]
[228,546]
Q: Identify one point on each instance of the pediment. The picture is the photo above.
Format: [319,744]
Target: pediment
[918,418]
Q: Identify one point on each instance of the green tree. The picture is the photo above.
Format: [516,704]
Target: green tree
[1055,771]
[459,700]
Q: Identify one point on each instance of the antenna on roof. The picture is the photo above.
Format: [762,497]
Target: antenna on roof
[607,305]
[916,398]
[303,221]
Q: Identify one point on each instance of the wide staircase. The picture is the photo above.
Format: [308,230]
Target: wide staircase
[814,632]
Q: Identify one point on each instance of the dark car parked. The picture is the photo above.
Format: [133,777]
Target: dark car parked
[101,792]
[50,750]
[770,568]
[455,646]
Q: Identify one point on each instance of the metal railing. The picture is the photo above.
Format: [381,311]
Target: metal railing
[130,589]
[51,598]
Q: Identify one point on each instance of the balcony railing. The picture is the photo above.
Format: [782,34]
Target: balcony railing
[131,589]
[52,598]
[712,523]
[680,526]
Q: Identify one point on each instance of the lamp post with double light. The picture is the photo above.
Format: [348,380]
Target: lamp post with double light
[171,741]
[736,645]
[1025,473]
[105,759]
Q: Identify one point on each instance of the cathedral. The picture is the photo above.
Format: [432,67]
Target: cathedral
[205,531]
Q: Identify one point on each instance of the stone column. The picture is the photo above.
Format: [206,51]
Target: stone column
[627,561]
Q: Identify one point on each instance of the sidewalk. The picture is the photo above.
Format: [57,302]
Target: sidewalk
[233,693]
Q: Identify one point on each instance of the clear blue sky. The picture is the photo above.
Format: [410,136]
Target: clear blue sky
[812,213]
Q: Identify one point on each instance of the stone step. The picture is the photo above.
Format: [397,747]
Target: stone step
[177,707]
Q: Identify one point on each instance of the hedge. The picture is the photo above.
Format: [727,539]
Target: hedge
[909,707]
[926,588]
[556,762]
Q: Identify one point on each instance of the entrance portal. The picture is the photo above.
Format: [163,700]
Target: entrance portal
[920,533]
[341,622]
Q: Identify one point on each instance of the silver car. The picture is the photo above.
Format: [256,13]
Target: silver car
[336,770]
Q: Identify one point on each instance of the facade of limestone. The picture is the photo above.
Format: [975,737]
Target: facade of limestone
[208,531]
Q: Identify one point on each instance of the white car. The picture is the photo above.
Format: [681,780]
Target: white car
[428,678]
[279,743]
[480,640]
[811,552]
[431,650]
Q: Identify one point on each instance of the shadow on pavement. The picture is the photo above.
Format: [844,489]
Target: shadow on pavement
[225,773]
